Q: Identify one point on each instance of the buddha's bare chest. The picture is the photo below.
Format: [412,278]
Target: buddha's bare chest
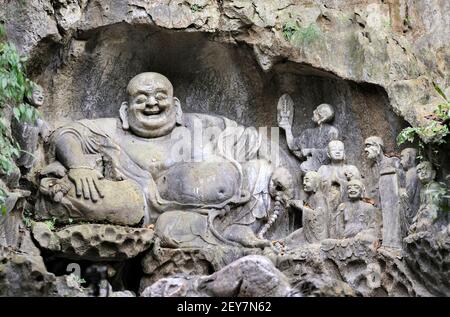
[154,155]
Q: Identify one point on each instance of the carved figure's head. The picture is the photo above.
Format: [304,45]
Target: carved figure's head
[355,189]
[281,184]
[426,172]
[374,147]
[408,158]
[152,110]
[323,113]
[336,151]
[311,182]
[37,96]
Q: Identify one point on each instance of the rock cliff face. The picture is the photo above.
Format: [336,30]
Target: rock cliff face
[399,45]
[236,58]
[375,61]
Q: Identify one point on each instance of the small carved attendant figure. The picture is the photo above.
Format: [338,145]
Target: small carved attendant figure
[27,134]
[314,213]
[311,144]
[335,177]
[356,217]
[410,193]
[430,198]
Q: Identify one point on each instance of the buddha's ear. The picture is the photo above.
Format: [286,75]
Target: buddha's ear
[178,111]
[123,113]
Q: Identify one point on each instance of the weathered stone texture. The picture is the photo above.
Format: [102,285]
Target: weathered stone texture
[94,242]
[378,42]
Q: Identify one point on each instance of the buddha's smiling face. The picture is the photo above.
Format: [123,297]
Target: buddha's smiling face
[151,105]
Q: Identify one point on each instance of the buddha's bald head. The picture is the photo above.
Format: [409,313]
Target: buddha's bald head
[152,110]
[149,80]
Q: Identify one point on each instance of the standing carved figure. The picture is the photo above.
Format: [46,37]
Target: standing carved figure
[384,189]
[410,192]
[335,177]
[27,134]
[311,145]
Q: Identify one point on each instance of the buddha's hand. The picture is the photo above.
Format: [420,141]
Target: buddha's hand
[87,183]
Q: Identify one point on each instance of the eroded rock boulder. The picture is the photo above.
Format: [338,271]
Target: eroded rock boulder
[250,276]
[23,274]
[94,242]
[428,257]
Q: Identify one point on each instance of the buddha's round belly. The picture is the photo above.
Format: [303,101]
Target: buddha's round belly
[206,183]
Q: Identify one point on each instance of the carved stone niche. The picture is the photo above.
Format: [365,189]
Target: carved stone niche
[240,97]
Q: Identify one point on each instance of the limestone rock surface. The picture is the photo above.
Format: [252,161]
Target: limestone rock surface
[94,241]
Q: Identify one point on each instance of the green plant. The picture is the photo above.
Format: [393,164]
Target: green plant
[51,223]
[301,36]
[307,35]
[289,28]
[78,279]
[15,88]
[407,21]
[196,8]
[441,195]
[25,113]
[27,217]
[430,136]
[3,196]
[27,221]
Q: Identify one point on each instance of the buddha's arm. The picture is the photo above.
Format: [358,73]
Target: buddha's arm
[289,137]
[70,153]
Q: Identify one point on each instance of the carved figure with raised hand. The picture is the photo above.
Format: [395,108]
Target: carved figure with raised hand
[430,198]
[410,192]
[356,218]
[311,145]
[385,190]
[27,133]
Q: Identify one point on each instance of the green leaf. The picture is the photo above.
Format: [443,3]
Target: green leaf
[406,135]
[16,112]
[29,114]
[439,91]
